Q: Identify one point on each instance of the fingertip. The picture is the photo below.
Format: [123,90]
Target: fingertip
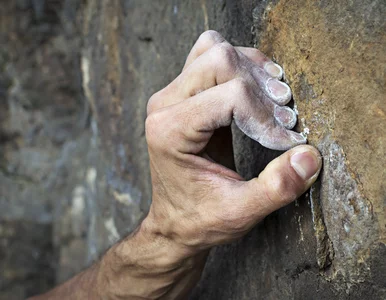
[306,161]
[274,70]
[305,148]
[278,91]
[283,180]
[296,138]
[285,116]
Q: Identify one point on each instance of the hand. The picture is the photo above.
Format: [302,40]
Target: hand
[197,202]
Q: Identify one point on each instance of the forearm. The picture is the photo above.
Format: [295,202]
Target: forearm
[148,265]
[145,265]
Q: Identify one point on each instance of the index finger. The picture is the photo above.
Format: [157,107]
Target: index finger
[210,38]
[192,122]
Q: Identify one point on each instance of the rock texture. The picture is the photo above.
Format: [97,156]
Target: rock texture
[73,157]
[44,139]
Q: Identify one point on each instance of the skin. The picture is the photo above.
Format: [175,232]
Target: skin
[197,202]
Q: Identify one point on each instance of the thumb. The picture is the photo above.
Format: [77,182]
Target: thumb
[282,181]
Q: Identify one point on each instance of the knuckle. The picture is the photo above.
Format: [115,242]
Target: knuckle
[295,186]
[279,189]
[256,52]
[210,37]
[153,128]
[272,197]
[154,103]
[226,56]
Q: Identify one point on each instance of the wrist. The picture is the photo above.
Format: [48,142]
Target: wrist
[146,263]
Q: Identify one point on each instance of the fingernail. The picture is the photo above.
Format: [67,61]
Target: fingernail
[274,70]
[278,89]
[285,116]
[306,164]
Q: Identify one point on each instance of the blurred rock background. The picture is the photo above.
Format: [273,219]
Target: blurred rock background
[45,146]
[75,77]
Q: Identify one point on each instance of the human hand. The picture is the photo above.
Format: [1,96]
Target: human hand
[198,203]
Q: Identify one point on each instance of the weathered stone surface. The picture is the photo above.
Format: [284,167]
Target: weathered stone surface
[26,259]
[44,138]
[335,60]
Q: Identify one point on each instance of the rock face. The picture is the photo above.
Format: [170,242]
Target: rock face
[77,165]
[41,107]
